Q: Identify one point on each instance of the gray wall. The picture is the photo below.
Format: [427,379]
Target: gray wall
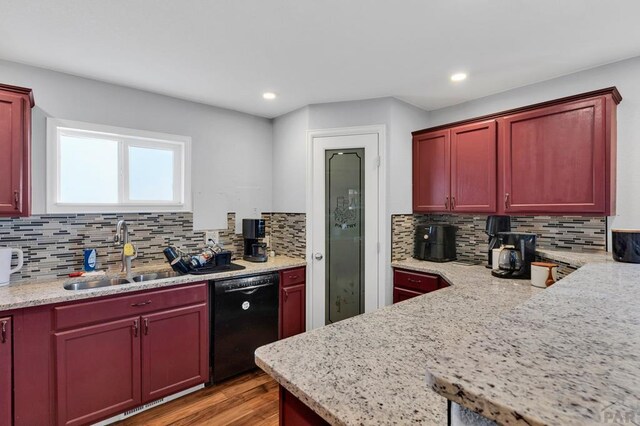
[290,161]
[231,166]
[290,152]
[624,75]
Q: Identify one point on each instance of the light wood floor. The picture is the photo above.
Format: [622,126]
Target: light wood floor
[249,399]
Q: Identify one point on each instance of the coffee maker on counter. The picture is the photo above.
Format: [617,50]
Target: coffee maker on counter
[436,243]
[253,231]
[495,225]
[518,251]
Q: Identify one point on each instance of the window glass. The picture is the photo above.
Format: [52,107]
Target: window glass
[88,170]
[151,174]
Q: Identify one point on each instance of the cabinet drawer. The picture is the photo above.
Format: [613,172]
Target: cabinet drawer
[100,310]
[292,277]
[415,281]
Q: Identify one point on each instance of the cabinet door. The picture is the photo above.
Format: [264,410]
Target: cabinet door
[97,371]
[401,294]
[554,159]
[6,368]
[431,170]
[292,311]
[175,351]
[11,153]
[474,168]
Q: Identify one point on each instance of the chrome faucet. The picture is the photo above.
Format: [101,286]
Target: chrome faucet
[122,239]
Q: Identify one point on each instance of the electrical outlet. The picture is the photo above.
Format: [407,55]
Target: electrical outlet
[211,235]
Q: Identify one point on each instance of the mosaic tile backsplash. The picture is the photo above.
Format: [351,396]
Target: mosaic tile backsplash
[554,232]
[288,233]
[53,244]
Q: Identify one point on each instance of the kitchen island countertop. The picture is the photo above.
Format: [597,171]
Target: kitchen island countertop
[371,369]
[569,356]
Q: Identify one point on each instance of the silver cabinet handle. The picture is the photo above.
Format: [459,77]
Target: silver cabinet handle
[318,256]
[135,328]
[3,339]
[506,200]
[146,326]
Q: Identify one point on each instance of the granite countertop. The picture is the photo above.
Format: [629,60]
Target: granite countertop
[569,356]
[575,258]
[15,296]
[370,369]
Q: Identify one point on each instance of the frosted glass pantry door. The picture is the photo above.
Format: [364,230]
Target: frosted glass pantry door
[344,226]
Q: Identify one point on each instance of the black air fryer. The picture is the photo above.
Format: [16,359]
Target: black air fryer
[436,243]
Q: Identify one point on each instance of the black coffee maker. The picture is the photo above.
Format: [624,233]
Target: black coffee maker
[516,256]
[253,231]
[495,224]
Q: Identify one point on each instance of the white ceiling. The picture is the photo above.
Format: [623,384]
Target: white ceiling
[228,52]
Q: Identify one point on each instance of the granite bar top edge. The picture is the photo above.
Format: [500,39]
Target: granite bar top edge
[40,293]
[546,342]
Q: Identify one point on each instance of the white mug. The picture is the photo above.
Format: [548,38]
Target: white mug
[5,263]
[540,273]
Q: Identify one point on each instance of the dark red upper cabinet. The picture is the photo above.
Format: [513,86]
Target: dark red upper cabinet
[474,167]
[15,151]
[555,159]
[431,171]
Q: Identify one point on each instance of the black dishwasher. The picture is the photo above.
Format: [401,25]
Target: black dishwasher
[244,316]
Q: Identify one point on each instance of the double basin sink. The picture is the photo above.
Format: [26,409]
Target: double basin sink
[86,285]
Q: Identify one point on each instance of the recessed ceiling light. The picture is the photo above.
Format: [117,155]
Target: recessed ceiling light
[269,95]
[459,76]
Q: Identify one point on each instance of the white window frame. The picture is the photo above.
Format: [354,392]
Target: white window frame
[181,145]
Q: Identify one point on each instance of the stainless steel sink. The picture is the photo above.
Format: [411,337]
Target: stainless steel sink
[85,285]
[155,276]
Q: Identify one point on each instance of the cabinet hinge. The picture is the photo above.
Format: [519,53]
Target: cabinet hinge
[378,161]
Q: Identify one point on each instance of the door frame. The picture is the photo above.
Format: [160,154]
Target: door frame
[380,131]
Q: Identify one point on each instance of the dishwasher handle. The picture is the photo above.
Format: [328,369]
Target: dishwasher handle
[245,289]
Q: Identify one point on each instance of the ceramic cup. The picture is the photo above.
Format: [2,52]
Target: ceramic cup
[5,263]
[540,274]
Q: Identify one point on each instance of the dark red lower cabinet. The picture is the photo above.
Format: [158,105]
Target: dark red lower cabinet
[402,294]
[293,311]
[408,284]
[156,343]
[174,351]
[6,368]
[294,412]
[292,302]
[97,371]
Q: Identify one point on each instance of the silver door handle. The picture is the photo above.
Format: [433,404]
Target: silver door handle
[318,256]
